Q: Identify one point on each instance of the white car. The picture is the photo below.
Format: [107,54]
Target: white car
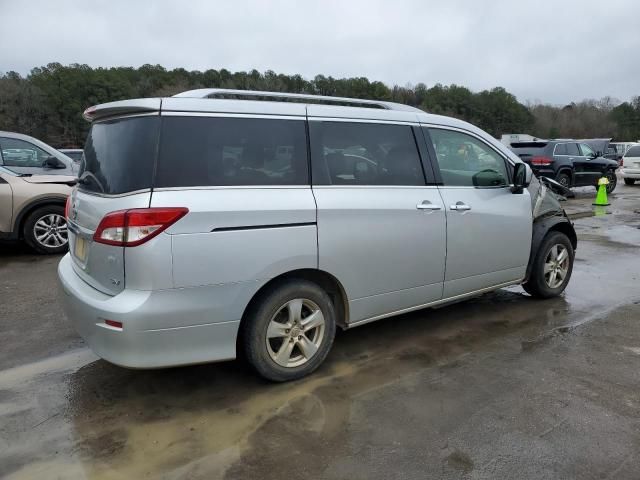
[630,170]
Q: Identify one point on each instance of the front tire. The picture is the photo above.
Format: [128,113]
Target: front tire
[45,230]
[288,333]
[629,181]
[551,268]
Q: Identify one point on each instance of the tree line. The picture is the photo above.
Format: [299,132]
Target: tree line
[49,101]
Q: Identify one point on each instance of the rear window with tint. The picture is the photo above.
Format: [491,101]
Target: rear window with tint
[633,152]
[119,155]
[210,151]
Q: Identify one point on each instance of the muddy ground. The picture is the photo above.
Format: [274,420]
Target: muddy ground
[502,386]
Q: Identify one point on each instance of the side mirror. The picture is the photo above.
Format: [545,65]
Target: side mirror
[521,177]
[53,163]
[593,155]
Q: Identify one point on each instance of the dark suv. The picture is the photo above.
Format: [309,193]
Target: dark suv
[571,163]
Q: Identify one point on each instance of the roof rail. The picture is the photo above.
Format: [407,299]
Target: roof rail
[259,95]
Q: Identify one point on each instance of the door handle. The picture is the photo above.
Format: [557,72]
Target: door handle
[460,206]
[427,205]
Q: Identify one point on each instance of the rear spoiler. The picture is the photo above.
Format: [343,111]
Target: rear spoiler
[122,107]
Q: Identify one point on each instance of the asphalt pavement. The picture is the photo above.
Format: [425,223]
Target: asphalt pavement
[501,386]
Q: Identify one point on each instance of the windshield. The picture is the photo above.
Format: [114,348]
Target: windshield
[119,155]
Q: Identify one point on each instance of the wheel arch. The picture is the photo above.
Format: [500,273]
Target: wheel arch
[28,209]
[542,227]
[322,278]
[568,170]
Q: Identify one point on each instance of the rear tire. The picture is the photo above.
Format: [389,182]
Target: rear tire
[544,278]
[564,179]
[45,230]
[629,181]
[289,331]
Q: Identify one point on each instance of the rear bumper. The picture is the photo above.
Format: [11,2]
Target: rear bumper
[161,328]
[633,173]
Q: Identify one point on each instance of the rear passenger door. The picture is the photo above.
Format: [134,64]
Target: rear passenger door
[488,227]
[381,227]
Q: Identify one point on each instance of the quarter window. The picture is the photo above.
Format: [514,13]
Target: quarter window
[345,153]
[466,161]
[561,149]
[18,153]
[209,151]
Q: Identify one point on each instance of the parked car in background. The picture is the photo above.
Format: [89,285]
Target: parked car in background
[203,228]
[25,154]
[569,162]
[74,154]
[630,170]
[32,209]
[616,150]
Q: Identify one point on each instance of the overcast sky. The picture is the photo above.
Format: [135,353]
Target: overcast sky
[551,51]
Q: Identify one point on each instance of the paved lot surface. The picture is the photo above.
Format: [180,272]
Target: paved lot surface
[502,386]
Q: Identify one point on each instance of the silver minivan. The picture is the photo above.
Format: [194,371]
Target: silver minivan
[221,223]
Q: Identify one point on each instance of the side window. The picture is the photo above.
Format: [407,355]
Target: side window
[572,149]
[587,151]
[345,153]
[18,153]
[561,149]
[212,151]
[466,161]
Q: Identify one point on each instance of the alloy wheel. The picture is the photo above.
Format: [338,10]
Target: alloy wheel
[295,333]
[556,266]
[50,231]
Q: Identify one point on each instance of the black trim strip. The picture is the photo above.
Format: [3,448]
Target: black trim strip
[260,227]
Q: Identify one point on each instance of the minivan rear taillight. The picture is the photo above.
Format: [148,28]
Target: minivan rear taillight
[129,228]
[541,161]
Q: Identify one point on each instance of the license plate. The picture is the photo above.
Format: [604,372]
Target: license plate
[80,249]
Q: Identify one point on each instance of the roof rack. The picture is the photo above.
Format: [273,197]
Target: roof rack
[259,95]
